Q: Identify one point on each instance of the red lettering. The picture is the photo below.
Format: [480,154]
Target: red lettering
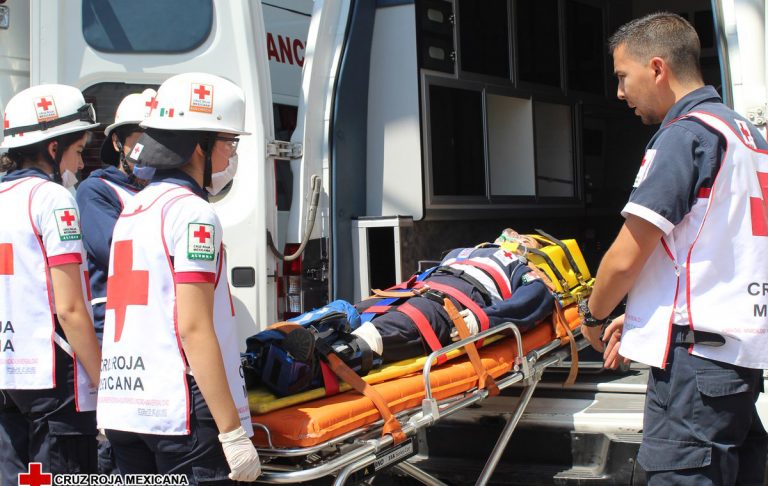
[285,49]
[272,48]
[298,52]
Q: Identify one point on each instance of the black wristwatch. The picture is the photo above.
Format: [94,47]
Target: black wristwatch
[586,316]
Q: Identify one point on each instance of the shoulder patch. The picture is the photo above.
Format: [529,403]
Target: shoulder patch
[68,224]
[505,256]
[645,166]
[465,253]
[530,277]
[200,244]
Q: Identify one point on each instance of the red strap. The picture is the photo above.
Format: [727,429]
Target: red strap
[467,302]
[407,284]
[330,381]
[426,331]
[493,272]
[376,309]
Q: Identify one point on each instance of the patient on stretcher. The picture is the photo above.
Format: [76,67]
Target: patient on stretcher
[488,285]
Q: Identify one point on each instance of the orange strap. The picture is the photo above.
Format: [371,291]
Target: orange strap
[485,380]
[543,276]
[394,294]
[284,326]
[558,317]
[391,424]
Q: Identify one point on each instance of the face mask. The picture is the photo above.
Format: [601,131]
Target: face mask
[68,179]
[144,172]
[220,179]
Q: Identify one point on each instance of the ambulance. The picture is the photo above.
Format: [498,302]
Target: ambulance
[386,132]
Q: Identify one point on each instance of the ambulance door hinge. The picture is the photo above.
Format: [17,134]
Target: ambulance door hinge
[279,149]
[757,115]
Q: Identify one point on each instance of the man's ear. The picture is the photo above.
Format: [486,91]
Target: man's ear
[659,67]
[115,140]
[53,146]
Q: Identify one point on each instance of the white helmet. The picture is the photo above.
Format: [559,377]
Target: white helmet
[44,112]
[199,102]
[133,109]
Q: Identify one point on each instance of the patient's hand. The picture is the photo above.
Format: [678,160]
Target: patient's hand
[612,339]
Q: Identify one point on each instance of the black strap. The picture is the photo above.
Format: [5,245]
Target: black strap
[686,335]
[455,272]
[84,113]
[567,252]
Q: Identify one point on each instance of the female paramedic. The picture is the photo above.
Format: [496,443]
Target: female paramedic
[103,194]
[172,396]
[45,320]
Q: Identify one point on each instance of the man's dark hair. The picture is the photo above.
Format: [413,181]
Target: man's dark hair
[665,35]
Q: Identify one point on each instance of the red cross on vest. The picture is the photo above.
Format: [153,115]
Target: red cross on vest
[35,476]
[758,207]
[125,286]
[44,104]
[6,259]
[201,92]
[201,234]
[67,218]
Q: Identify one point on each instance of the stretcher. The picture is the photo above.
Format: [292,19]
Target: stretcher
[341,435]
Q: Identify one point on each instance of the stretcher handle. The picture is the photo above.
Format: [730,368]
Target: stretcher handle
[477,337]
[567,252]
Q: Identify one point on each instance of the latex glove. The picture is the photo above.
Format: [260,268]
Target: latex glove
[241,455]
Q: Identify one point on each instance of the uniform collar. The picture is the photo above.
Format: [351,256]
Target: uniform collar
[22,173]
[180,178]
[689,102]
[113,174]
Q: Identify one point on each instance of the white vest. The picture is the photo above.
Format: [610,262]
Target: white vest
[711,272]
[143,376]
[123,194]
[27,307]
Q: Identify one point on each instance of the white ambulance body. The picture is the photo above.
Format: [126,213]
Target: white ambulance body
[428,124]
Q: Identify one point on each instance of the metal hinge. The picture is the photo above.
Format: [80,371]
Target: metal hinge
[279,149]
[757,115]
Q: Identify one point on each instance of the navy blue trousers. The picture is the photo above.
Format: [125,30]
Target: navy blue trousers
[700,424]
[198,455]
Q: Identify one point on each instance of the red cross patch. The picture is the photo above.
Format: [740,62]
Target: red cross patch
[67,223]
[136,152]
[45,108]
[200,241]
[746,134]
[201,98]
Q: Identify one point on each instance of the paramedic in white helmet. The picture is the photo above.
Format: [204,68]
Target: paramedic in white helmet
[49,355]
[101,198]
[172,398]
[103,194]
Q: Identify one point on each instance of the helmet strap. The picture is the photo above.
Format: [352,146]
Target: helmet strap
[124,162]
[208,168]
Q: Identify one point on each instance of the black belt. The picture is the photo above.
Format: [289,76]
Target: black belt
[686,335]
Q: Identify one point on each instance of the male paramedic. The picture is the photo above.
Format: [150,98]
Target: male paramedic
[691,257]
[172,396]
[49,355]
[103,194]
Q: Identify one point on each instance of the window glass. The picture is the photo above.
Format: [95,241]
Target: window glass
[510,146]
[538,42]
[146,25]
[554,150]
[457,142]
[484,50]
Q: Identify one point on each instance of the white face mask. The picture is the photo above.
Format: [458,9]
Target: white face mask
[68,179]
[220,179]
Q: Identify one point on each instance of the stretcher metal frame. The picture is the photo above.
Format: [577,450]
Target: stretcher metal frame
[357,449]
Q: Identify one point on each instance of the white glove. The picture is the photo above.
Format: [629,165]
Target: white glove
[241,455]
